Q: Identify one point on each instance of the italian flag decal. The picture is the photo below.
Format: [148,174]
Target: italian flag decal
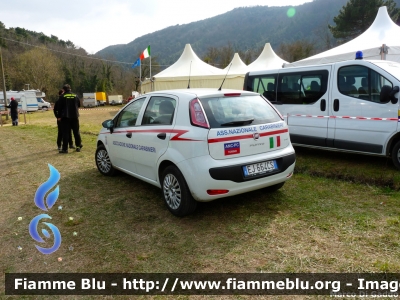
[274,142]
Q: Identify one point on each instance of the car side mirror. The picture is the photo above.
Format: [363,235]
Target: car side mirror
[108,124]
[393,99]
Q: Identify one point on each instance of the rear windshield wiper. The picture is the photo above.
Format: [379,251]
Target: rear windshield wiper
[240,122]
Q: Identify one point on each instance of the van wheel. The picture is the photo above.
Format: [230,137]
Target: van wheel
[274,188]
[103,161]
[176,193]
[396,155]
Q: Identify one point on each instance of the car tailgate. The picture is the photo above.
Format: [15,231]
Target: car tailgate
[225,143]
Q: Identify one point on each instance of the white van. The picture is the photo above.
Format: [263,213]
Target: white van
[26,100]
[347,106]
[89,100]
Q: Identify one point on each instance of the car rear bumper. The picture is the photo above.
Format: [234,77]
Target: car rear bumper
[235,173]
[205,173]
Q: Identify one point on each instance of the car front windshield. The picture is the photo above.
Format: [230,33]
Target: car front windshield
[238,111]
[391,67]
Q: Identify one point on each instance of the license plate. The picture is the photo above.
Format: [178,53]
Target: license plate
[259,168]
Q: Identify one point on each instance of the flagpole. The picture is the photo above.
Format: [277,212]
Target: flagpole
[151,80]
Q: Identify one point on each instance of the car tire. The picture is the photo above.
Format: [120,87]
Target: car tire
[396,155]
[274,188]
[103,161]
[176,193]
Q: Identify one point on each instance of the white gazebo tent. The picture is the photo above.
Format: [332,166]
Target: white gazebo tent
[204,75]
[236,66]
[189,65]
[379,41]
[267,60]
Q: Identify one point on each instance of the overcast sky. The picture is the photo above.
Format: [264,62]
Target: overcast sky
[94,25]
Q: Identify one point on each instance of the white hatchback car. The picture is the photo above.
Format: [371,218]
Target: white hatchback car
[198,145]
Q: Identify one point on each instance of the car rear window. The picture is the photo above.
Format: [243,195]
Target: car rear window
[223,112]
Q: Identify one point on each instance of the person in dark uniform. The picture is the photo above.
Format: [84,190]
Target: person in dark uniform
[13,106]
[59,134]
[68,114]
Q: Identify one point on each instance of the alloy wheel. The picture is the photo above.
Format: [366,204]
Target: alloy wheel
[103,161]
[172,191]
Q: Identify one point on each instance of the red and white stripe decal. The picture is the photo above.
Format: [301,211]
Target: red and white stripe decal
[246,136]
[346,117]
[176,137]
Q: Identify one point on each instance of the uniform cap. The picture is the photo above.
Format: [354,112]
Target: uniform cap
[12,98]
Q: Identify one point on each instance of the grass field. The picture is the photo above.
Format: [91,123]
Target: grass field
[339,213]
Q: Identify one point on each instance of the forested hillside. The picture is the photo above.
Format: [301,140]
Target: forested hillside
[244,28]
[33,60]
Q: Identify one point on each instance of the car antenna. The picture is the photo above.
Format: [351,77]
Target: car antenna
[190,70]
[225,77]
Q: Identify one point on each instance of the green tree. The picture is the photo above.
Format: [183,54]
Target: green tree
[211,56]
[295,51]
[227,52]
[8,81]
[2,33]
[357,16]
[247,56]
[68,75]
[106,83]
[40,69]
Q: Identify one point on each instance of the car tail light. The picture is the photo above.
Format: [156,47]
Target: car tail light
[197,115]
[232,94]
[217,192]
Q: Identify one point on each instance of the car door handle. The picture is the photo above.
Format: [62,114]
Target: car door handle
[129,134]
[323,105]
[162,136]
[336,105]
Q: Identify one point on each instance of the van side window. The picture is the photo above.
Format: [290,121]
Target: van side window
[302,88]
[264,85]
[361,82]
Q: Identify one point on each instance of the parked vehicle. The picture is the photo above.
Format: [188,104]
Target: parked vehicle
[89,100]
[101,98]
[26,100]
[43,104]
[115,99]
[347,106]
[198,145]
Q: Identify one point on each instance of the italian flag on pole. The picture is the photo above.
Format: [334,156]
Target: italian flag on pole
[145,54]
[274,142]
